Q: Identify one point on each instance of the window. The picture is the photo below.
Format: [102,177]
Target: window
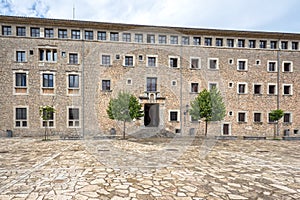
[138,38]
[287,66]
[48,81]
[212,85]
[287,89]
[48,55]
[241,43]
[126,37]
[6,30]
[174,40]
[21,56]
[273,44]
[20,82]
[252,43]
[174,62]
[257,62]
[230,42]
[73,81]
[151,38]
[162,39]
[173,83]
[50,116]
[129,81]
[114,36]
[295,45]
[35,32]
[75,34]
[287,118]
[284,45]
[73,84]
[49,32]
[105,60]
[242,65]
[106,85]
[262,44]
[242,88]
[21,31]
[230,84]
[101,35]
[257,89]
[272,89]
[185,40]
[196,41]
[207,41]
[242,117]
[151,61]
[272,66]
[21,79]
[230,61]
[151,84]
[257,117]
[140,57]
[62,33]
[21,117]
[195,63]
[73,117]
[213,63]
[73,58]
[89,35]
[174,116]
[194,87]
[269,119]
[129,61]
[219,42]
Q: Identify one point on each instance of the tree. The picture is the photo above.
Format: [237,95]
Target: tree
[276,115]
[126,108]
[46,113]
[208,105]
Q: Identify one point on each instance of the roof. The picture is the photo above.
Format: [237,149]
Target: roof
[127,27]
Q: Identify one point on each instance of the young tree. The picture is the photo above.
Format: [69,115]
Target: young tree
[208,105]
[46,113]
[276,115]
[125,107]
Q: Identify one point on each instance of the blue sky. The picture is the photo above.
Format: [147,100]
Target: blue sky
[263,15]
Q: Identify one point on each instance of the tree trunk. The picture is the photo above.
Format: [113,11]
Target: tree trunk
[275,130]
[205,128]
[124,131]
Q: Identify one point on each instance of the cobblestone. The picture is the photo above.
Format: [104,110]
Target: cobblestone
[59,169]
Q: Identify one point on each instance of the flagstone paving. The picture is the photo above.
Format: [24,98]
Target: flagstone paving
[179,169]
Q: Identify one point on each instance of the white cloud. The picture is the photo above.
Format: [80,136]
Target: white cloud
[270,15]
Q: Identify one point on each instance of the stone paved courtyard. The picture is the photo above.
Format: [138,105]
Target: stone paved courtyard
[181,168]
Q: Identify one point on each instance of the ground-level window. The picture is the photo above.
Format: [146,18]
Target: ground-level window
[21,117]
[73,117]
[50,116]
[174,115]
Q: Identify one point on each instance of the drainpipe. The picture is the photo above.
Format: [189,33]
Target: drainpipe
[278,82]
[82,89]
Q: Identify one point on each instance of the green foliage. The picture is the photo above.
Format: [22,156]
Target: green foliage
[124,108]
[201,106]
[46,112]
[208,105]
[276,115]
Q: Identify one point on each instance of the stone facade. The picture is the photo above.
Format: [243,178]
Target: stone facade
[247,76]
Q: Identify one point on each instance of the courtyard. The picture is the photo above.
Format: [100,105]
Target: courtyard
[178,168]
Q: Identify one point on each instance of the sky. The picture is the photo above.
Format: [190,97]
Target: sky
[253,15]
